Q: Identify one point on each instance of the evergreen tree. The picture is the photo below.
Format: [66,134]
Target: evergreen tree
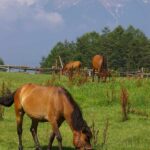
[88,45]
[1,61]
[64,50]
[125,49]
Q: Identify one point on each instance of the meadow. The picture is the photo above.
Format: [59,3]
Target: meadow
[100,103]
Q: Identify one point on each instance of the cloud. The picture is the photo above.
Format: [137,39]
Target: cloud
[146,1]
[28,12]
[26,2]
[65,3]
[114,7]
[52,18]
[6,4]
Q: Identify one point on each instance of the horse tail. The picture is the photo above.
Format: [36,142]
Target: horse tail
[7,100]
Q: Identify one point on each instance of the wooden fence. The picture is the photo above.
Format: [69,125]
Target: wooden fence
[13,68]
[9,68]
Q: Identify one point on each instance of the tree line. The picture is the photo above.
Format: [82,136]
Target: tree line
[1,61]
[125,49]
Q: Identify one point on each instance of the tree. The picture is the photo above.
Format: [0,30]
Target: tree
[125,49]
[87,46]
[138,49]
[1,61]
[64,50]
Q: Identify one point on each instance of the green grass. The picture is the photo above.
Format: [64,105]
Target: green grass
[98,102]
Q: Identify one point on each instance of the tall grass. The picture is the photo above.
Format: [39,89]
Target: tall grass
[124,103]
[93,100]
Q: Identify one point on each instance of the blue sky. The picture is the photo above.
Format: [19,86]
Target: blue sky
[30,28]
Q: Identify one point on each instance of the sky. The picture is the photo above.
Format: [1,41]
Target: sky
[29,29]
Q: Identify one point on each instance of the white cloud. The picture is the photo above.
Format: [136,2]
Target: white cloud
[27,12]
[113,6]
[52,18]
[6,4]
[116,7]
[65,3]
[26,2]
[146,1]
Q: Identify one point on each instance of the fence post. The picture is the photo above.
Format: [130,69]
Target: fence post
[61,63]
[142,72]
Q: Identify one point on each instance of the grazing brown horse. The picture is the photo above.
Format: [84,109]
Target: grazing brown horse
[104,74]
[99,64]
[53,104]
[71,66]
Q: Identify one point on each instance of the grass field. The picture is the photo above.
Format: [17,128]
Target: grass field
[99,102]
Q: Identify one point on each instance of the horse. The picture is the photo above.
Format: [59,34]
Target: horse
[53,104]
[71,66]
[99,64]
[104,74]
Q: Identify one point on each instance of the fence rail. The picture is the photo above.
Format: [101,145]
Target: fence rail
[10,68]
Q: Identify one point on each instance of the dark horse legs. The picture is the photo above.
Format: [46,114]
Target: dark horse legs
[51,139]
[33,130]
[93,74]
[19,120]
[56,133]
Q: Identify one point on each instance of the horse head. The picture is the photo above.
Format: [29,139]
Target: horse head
[82,139]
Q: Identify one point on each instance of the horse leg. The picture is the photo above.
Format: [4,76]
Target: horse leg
[51,139]
[98,76]
[52,136]
[93,74]
[33,131]
[19,120]
[56,132]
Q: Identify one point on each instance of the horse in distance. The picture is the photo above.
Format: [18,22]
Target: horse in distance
[72,66]
[99,64]
[53,104]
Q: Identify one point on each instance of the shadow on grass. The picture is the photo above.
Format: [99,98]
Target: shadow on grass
[56,148]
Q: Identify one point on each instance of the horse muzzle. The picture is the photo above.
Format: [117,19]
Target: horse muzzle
[88,148]
[84,148]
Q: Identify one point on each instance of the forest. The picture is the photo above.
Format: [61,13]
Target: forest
[126,49]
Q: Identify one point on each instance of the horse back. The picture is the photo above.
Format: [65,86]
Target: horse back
[76,64]
[97,61]
[41,102]
[72,65]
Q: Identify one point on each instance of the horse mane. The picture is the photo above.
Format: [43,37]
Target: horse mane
[77,119]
